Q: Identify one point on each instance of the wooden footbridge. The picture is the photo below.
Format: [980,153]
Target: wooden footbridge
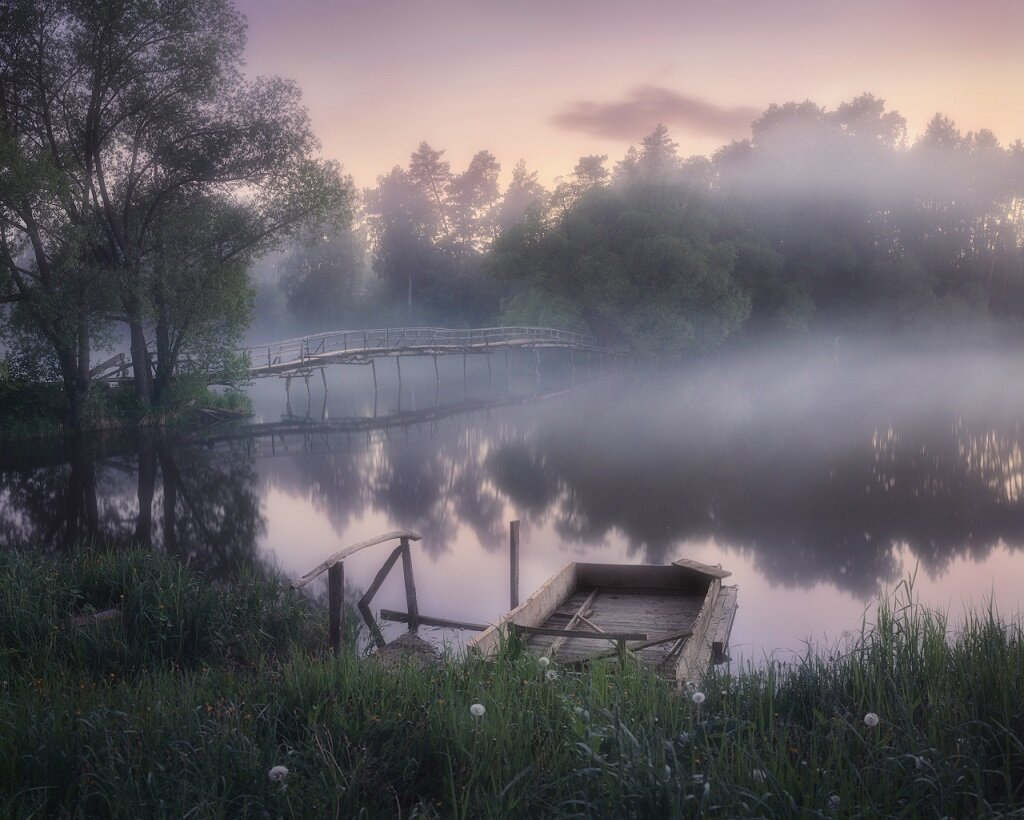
[296,356]
[304,355]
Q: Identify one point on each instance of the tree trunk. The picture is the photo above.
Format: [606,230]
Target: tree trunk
[164,365]
[141,374]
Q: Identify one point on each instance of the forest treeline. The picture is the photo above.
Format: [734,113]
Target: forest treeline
[822,220]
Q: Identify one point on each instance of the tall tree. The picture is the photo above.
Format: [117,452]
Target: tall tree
[523,195]
[473,194]
[121,122]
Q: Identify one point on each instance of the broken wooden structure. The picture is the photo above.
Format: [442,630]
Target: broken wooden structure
[675,618]
[334,566]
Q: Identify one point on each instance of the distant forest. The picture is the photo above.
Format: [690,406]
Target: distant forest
[822,221]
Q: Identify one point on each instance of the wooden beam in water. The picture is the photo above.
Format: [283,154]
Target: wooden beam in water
[427,620]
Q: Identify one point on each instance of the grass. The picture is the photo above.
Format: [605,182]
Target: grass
[182,706]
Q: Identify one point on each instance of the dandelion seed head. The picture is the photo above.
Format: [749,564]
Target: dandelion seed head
[551,674]
[543,661]
[278,773]
[698,698]
[871,720]
[477,710]
[833,802]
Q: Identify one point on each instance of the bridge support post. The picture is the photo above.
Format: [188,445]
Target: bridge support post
[288,395]
[373,367]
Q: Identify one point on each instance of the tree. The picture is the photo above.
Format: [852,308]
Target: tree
[124,126]
[472,195]
[319,277]
[523,195]
[433,176]
[658,158]
[637,264]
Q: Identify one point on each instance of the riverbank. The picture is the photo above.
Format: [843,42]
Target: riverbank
[31,411]
[187,699]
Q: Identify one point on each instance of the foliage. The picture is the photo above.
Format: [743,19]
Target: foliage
[183,704]
[639,265]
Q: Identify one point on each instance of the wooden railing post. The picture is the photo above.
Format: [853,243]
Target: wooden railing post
[513,567]
[336,604]
[410,587]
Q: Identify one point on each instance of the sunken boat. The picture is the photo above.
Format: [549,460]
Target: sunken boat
[675,618]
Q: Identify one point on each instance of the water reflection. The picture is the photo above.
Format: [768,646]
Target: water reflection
[821,473]
[143,489]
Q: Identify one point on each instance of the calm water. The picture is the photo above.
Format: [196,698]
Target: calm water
[819,478]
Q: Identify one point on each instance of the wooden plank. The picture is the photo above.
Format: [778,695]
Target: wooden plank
[715,617]
[382,573]
[513,557]
[579,633]
[427,620]
[354,548]
[657,640]
[639,576]
[712,570]
[534,611]
[557,643]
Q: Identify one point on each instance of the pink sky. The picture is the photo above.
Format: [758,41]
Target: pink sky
[550,80]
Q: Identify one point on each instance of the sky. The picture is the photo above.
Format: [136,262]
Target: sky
[548,81]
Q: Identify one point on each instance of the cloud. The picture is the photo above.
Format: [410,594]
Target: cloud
[647,105]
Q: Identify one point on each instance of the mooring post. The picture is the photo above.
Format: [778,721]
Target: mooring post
[513,567]
[336,604]
[410,587]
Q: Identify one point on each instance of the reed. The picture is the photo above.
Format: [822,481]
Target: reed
[184,703]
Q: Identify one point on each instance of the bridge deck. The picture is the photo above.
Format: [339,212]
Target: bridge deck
[362,346]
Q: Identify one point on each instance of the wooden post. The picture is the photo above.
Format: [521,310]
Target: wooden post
[410,587]
[373,366]
[336,604]
[513,568]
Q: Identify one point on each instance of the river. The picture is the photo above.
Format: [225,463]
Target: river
[820,477]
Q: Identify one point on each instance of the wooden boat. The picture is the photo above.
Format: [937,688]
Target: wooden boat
[676,618]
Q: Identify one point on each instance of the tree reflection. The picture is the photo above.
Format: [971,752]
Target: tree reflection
[135,490]
[811,497]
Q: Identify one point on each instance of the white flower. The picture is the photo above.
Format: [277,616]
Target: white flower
[833,802]
[871,720]
[698,698]
[278,773]
[551,674]
[543,661]
[758,775]
[477,710]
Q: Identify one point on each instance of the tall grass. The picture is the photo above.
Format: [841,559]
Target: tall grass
[181,707]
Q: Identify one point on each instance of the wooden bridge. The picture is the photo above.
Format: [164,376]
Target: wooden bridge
[304,355]
[363,346]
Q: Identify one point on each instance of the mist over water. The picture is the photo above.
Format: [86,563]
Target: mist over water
[819,473]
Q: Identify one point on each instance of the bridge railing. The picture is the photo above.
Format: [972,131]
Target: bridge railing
[370,341]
